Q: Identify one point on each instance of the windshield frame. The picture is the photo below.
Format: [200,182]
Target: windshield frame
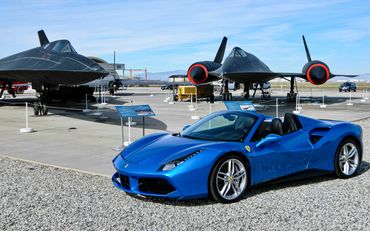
[60,46]
[204,120]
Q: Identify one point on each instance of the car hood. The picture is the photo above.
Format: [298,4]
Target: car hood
[165,148]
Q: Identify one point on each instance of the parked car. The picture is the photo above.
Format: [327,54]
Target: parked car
[347,87]
[169,86]
[226,152]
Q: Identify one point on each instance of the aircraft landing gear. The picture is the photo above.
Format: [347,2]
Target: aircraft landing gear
[246,91]
[291,96]
[2,91]
[40,109]
[10,90]
[226,95]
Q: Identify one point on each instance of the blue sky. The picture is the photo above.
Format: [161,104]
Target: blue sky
[170,35]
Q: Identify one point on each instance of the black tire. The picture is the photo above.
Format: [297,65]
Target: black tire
[44,110]
[212,184]
[36,109]
[337,170]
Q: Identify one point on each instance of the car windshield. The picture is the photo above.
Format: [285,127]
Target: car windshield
[229,126]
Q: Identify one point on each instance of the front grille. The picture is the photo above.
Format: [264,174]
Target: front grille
[125,181]
[155,186]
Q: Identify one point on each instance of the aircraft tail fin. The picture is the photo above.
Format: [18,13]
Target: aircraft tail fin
[42,37]
[221,51]
[306,48]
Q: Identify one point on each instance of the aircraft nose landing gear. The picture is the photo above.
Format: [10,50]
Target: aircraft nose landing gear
[226,95]
[40,109]
[291,96]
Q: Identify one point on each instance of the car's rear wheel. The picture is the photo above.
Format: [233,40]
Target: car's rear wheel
[229,179]
[347,159]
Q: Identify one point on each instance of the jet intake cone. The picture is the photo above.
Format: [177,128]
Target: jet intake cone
[197,73]
[318,73]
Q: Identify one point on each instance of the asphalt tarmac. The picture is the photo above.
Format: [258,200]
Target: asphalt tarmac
[68,137]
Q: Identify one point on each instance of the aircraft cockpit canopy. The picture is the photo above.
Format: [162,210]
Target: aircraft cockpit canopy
[61,46]
[237,52]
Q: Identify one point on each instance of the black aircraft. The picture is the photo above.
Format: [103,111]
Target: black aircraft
[243,67]
[52,68]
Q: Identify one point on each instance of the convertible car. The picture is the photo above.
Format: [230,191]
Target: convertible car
[226,152]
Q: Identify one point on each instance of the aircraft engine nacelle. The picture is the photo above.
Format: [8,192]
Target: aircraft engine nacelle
[316,72]
[198,72]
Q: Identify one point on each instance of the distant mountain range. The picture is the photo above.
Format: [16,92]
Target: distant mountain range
[363,77]
[162,75]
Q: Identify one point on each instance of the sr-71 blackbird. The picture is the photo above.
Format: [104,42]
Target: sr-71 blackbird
[243,67]
[51,66]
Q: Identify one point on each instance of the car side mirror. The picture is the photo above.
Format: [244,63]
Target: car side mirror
[270,139]
[185,127]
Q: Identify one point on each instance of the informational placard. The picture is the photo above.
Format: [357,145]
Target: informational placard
[135,111]
[239,106]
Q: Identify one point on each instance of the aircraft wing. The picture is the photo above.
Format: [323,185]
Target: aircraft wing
[250,77]
[338,75]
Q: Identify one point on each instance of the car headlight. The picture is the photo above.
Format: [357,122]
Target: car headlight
[174,163]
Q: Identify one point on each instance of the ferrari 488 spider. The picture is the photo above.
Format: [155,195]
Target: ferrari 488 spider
[224,153]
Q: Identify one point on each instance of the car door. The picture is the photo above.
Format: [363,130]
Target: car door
[290,155]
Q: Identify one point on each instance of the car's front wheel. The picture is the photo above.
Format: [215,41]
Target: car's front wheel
[347,159]
[229,179]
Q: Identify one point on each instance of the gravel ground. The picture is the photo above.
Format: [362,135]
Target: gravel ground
[37,197]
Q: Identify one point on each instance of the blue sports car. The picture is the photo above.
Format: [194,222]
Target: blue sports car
[224,153]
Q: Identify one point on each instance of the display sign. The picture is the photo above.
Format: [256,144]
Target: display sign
[119,66]
[239,106]
[135,111]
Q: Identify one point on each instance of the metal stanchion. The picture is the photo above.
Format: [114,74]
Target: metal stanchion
[299,107]
[26,129]
[87,105]
[129,120]
[363,96]
[350,99]
[297,111]
[277,108]
[191,106]
[323,105]
[195,117]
